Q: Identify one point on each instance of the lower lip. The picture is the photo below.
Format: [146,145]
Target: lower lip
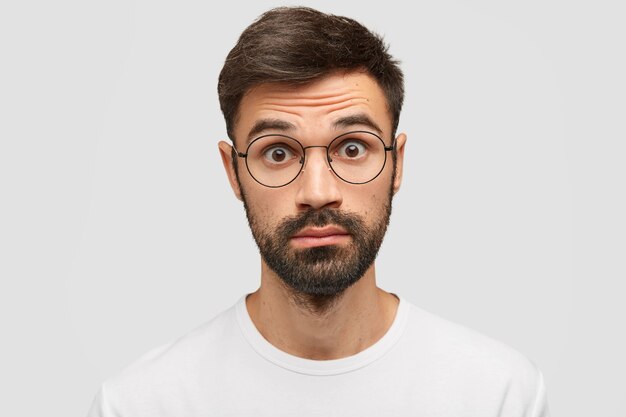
[310,241]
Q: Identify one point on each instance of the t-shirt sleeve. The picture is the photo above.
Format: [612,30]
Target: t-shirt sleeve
[100,406]
[540,408]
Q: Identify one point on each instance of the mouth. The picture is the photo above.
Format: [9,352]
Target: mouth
[320,236]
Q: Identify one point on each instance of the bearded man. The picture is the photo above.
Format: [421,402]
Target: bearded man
[312,104]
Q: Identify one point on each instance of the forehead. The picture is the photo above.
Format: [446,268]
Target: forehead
[313,109]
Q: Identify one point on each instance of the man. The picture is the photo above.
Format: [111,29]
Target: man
[312,103]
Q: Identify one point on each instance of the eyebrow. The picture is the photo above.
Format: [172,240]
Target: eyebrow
[356,119]
[262,125]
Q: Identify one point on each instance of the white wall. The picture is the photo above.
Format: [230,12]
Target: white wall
[118,231]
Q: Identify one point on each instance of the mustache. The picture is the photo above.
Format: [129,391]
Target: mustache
[291,225]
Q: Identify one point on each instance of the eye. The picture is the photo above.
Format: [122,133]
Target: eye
[352,149]
[278,154]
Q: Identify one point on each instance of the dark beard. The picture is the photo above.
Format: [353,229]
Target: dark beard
[317,277]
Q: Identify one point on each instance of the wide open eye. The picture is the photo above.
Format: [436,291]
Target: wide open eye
[278,154]
[351,149]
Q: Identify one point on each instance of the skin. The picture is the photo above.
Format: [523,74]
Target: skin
[363,313]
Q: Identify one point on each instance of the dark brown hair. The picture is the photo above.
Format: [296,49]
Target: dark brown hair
[298,45]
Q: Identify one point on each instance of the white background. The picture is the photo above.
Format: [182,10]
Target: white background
[119,232]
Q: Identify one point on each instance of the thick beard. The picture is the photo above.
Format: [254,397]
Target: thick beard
[317,277]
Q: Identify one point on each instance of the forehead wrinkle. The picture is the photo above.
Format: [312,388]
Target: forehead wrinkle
[300,116]
[330,106]
[313,100]
[288,110]
[342,106]
[303,106]
[299,111]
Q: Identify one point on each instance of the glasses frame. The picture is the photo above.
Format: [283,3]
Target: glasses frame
[303,159]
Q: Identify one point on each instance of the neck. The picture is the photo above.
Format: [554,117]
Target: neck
[321,329]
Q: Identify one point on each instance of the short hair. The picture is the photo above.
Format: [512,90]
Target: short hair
[298,45]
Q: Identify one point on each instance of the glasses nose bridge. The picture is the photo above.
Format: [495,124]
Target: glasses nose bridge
[326,156]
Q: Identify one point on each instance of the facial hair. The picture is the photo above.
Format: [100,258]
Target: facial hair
[317,277]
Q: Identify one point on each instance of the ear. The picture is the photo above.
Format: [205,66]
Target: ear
[226,153]
[400,141]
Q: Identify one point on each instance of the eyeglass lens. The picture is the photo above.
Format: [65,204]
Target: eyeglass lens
[276,160]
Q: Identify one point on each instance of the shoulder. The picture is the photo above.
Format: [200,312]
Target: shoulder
[473,359]
[172,367]
[460,343]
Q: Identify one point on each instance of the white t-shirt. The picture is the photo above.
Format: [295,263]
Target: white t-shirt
[423,366]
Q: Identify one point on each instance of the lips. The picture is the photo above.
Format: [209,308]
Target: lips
[320,236]
[321,232]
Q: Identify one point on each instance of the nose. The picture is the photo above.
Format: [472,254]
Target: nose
[318,184]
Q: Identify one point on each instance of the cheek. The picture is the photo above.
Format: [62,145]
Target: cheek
[267,207]
[367,203]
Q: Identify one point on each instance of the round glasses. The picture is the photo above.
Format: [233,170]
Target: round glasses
[276,160]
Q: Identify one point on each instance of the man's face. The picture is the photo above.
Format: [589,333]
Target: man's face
[318,234]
